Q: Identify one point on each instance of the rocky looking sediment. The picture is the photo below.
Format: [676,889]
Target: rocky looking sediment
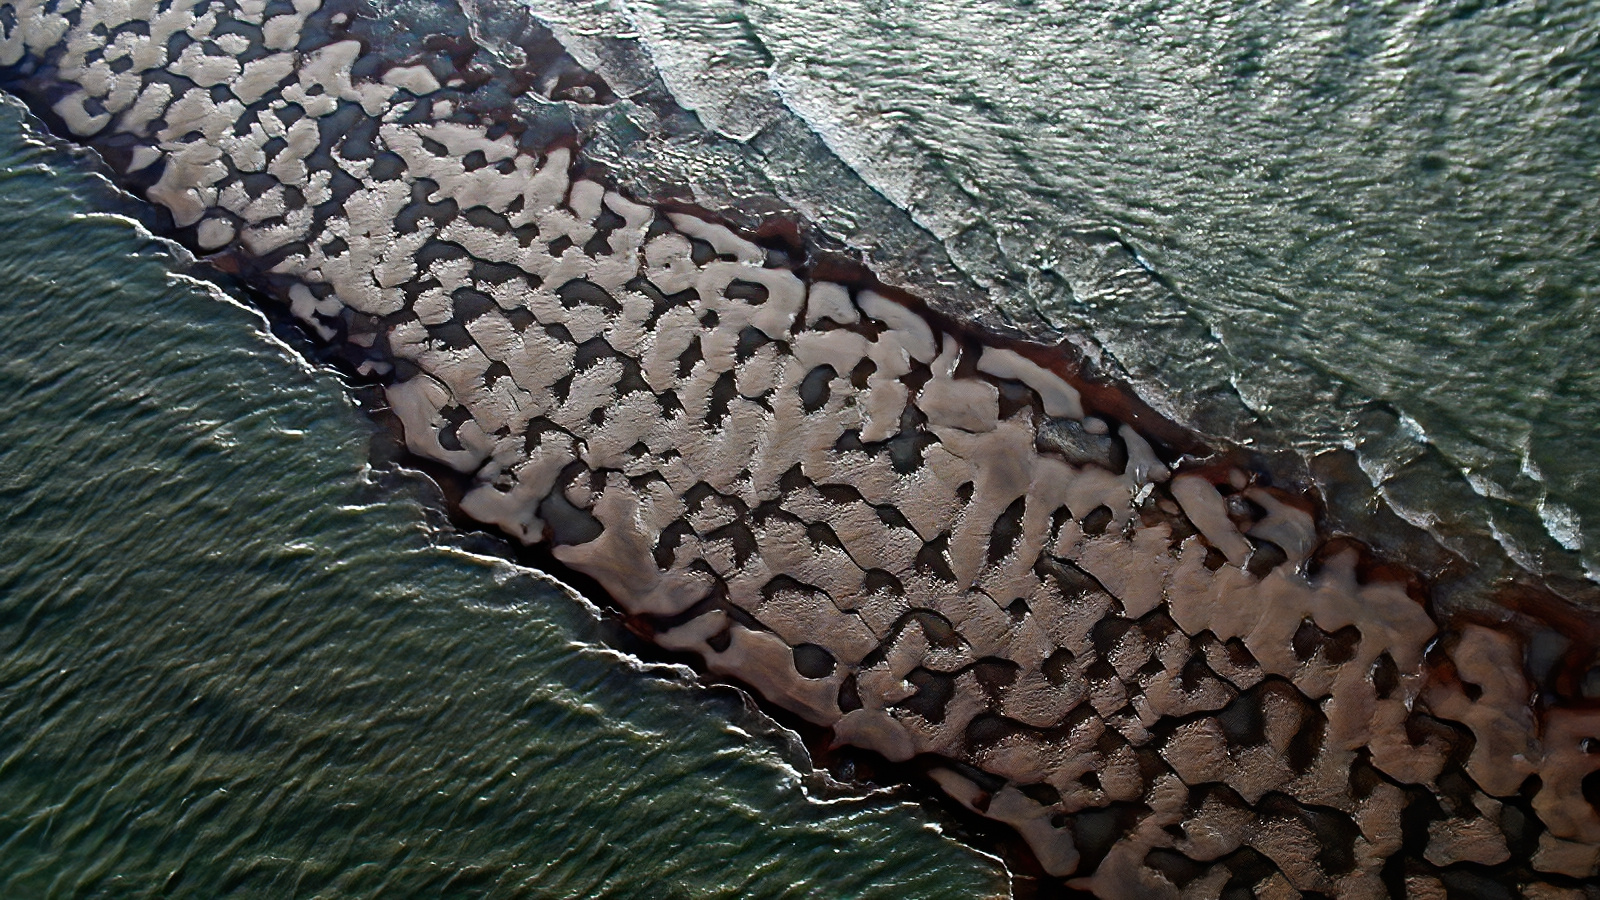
[938,544]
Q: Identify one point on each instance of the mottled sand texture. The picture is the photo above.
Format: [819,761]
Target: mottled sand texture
[1168,684]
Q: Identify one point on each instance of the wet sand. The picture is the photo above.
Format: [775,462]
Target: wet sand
[946,547]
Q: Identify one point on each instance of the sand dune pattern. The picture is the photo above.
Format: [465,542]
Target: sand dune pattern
[1168,683]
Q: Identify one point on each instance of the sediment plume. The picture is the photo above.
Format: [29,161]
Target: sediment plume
[940,545]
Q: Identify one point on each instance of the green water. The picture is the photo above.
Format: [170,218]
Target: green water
[236,660]
[233,663]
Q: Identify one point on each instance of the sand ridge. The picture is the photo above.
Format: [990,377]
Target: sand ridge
[1168,683]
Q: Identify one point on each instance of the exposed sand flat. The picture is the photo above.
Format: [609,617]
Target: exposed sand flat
[1168,684]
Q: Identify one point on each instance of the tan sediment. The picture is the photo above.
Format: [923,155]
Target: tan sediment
[935,545]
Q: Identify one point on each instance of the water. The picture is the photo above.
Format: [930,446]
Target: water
[238,660]
[1373,227]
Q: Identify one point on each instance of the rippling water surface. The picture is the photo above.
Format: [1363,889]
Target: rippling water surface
[1372,226]
[234,661]
[234,657]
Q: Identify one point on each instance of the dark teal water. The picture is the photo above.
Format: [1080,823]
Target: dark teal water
[236,659]
[234,663]
[1371,226]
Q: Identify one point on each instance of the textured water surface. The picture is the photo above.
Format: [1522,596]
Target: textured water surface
[1369,229]
[1372,227]
[236,659]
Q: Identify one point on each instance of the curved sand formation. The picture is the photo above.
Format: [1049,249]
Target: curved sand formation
[1168,684]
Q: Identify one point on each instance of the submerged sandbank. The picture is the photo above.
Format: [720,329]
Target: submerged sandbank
[942,545]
